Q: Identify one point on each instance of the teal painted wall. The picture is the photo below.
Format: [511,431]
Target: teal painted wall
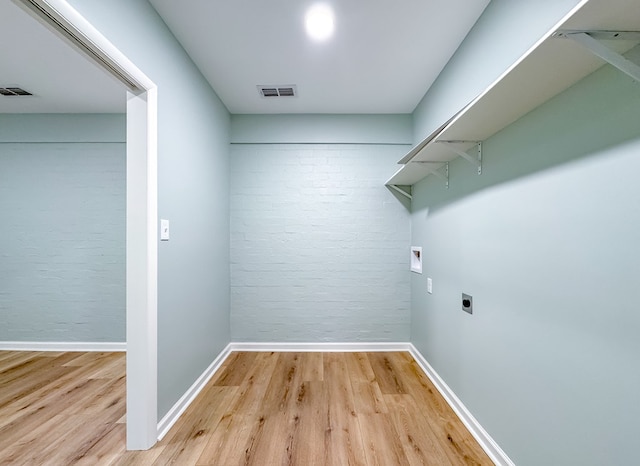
[62,241]
[321,129]
[546,242]
[319,246]
[45,128]
[193,165]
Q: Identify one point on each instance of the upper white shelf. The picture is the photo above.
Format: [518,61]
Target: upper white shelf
[551,66]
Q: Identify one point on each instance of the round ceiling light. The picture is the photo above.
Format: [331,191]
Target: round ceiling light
[319,22]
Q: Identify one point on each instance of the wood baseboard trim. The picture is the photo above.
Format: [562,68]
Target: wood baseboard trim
[325,347]
[491,448]
[185,400]
[72,346]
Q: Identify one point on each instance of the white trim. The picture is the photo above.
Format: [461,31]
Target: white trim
[71,346]
[92,39]
[491,448]
[142,209]
[142,248]
[142,270]
[185,400]
[325,347]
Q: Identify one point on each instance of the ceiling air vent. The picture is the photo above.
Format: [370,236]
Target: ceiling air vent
[13,92]
[277,91]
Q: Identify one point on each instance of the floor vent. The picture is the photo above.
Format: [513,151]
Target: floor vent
[278,91]
[13,92]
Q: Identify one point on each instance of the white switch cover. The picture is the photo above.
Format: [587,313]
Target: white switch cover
[429,285]
[164,230]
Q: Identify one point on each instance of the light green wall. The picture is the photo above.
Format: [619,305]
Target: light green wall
[50,127]
[193,193]
[546,241]
[62,240]
[321,129]
[318,243]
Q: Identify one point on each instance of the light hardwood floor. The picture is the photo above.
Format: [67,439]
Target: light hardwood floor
[260,408]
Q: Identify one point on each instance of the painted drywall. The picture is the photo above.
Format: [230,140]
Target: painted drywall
[55,127]
[322,129]
[193,166]
[546,242]
[502,34]
[62,202]
[319,246]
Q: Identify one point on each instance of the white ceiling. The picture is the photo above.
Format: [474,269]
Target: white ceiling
[384,56]
[382,59]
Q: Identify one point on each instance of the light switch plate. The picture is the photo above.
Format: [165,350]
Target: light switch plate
[164,230]
[429,285]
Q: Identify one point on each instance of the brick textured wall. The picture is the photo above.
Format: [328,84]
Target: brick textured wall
[319,246]
[62,242]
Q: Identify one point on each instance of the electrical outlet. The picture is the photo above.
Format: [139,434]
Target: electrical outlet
[467,303]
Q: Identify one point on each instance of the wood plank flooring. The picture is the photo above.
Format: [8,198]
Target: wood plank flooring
[61,408]
[259,409]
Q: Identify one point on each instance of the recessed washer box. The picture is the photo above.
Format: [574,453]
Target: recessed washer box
[416,259]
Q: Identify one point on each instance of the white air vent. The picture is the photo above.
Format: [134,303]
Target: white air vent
[13,92]
[278,91]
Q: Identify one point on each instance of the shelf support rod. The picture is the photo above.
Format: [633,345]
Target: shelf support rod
[587,40]
[475,161]
[401,191]
[443,176]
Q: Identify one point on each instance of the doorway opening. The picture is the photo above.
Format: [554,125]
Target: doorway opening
[141,210]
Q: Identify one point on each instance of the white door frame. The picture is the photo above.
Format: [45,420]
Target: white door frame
[142,212]
[142,271]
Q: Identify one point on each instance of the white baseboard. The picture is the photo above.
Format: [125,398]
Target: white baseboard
[321,347]
[491,448]
[183,403]
[62,346]
[497,455]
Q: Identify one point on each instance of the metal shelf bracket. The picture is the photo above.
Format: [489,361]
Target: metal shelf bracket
[475,161]
[398,189]
[436,171]
[591,40]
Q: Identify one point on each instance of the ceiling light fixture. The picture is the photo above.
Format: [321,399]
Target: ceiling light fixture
[319,22]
